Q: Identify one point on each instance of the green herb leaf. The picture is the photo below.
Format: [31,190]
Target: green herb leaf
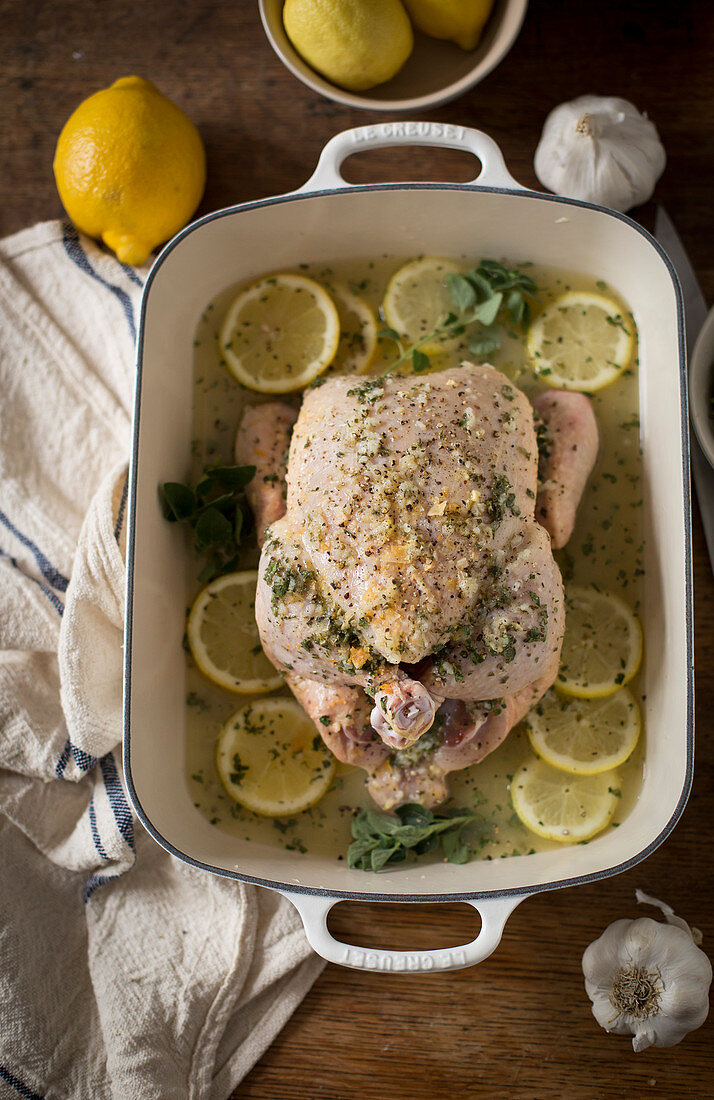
[382,824]
[486,313]
[232,477]
[178,501]
[420,361]
[486,342]
[413,813]
[389,334]
[455,850]
[224,479]
[239,769]
[380,840]
[203,488]
[212,527]
[483,286]
[515,304]
[224,502]
[214,510]
[211,569]
[478,298]
[429,844]
[361,833]
[462,292]
[358,851]
[381,856]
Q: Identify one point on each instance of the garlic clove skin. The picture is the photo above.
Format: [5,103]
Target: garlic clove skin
[600,149]
[648,979]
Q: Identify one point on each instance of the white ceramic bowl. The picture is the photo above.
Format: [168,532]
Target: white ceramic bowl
[325,222]
[436,72]
[701,387]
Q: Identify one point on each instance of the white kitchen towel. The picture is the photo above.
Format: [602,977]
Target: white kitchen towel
[124,973]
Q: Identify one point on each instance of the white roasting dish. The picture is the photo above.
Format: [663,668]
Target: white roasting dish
[329,221]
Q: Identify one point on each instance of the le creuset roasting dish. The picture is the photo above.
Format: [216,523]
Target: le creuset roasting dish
[329,221]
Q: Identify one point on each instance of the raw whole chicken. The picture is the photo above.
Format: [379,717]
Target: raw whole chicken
[407,585]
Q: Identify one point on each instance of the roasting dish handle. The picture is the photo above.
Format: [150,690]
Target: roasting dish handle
[494,173]
[315,908]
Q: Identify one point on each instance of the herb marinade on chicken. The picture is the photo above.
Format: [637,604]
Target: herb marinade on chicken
[409,592]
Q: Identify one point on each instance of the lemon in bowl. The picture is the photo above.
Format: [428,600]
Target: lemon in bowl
[130,168]
[435,72]
[354,44]
[459,21]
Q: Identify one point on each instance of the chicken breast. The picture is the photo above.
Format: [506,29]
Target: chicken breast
[409,571]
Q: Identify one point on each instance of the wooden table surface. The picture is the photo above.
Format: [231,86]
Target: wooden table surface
[519,1025]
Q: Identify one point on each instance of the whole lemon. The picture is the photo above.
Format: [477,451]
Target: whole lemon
[461,21]
[354,43]
[130,168]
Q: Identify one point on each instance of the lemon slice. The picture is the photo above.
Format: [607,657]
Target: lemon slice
[582,341]
[418,298]
[358,331]
[223,636]
[280,333]
[602,647]
[568,808]
[585,736]
[271,759]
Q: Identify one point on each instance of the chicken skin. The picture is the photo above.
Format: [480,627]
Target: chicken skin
[409,592]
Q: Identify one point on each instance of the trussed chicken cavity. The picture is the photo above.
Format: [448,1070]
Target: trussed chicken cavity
[403,711]
[408,590]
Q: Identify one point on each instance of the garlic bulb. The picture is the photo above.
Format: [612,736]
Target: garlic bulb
[600,149]
[648,979]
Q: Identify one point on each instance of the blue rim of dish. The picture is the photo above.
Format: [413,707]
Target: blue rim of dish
[456,895]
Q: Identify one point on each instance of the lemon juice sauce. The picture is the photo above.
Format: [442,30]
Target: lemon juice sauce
[606,549]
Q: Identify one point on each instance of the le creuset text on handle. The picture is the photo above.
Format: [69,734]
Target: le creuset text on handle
[314,910]
[445,135]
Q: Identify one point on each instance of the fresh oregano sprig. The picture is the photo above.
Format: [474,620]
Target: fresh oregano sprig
[482,296]
[380,840]
[215,511]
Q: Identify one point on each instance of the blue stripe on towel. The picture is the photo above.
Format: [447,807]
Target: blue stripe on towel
[54,600]
[132,275]
[122,816]
[18,1085]
[112,785]
[73,248]
[51,596]
[51,575]
[62,762]
[122,509]
[82,759]
[117,801]
[95,881]
[95,831]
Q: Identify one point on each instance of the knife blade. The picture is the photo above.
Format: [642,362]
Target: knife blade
[695,312]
